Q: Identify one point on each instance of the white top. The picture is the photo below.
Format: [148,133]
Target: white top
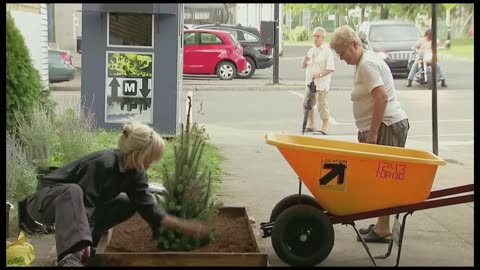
[372,72]
[321,58]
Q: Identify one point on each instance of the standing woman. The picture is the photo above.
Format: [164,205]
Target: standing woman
[378,114]
[85,198]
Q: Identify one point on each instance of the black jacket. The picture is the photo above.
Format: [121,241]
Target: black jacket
[102,177]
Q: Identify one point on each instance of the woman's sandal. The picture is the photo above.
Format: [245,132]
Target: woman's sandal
[366,230]
[373,237]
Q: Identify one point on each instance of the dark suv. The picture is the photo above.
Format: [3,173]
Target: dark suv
[391,40]
[258,55]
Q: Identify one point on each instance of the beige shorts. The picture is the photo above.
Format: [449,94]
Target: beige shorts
[322,104]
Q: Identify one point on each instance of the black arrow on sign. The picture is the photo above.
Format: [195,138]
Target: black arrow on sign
[337,170]
[145,91]
[114,85]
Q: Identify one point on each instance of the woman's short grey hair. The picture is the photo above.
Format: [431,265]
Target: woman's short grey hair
[343,36]
[321,30]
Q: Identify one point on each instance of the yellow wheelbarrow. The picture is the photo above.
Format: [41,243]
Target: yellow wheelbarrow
[349,181]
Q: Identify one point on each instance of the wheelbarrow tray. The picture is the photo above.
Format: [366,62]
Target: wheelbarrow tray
[348,177]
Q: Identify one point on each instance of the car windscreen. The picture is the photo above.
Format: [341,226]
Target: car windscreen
[392,33]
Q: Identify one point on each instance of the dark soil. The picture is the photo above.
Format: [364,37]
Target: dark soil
[232,235]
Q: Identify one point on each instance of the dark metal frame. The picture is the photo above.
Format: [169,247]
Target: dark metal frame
[436,199]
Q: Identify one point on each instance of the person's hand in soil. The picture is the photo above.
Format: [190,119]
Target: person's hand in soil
[196,229]
[193,228]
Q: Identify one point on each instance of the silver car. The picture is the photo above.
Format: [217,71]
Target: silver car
[60,68]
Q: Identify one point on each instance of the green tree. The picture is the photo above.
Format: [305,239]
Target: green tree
[24,86]
[188,190]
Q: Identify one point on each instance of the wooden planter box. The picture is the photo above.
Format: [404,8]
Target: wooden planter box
[162,258]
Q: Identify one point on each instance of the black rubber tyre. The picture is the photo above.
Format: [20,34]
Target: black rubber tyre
[226,70]
[251,68]
[290,201]
[303,236]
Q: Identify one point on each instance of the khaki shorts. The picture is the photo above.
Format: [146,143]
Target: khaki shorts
[322,104]
[393,135]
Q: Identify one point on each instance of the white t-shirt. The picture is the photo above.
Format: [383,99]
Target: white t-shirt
[321,58]
[372,72]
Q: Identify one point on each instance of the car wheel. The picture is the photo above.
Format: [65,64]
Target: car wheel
[226,70]
[249,71]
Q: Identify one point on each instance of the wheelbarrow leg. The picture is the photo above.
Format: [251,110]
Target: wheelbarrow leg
[299,189]
[397,237]
[363,242]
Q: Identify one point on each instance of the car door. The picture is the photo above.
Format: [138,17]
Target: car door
[212,50]
[190,47]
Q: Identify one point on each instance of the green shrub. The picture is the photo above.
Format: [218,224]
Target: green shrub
[299,33]
[36,136]
[24,85]
[76,134]
[188,190]
[21,175]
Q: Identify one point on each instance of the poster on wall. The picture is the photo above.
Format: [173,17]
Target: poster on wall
[129,87]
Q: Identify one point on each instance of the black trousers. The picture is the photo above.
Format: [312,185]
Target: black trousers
[63,205]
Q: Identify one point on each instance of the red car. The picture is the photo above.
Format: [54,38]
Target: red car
[212,52]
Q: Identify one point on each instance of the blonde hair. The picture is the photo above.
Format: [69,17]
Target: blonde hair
[140,140]
[321,30]
[343,36]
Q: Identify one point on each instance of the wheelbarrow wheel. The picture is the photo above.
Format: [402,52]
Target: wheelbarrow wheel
[302,236]
[290,201]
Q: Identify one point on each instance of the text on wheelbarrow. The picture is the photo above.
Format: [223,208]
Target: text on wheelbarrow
[391,170]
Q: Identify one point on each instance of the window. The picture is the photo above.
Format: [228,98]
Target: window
[130,30]
[189,39]
[249,37]
[207,39]
[234,40]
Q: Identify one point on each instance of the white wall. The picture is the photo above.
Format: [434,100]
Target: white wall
[68,26]
[253,14]
[34,28]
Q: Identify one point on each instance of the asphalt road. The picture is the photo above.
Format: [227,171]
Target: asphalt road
[459,72]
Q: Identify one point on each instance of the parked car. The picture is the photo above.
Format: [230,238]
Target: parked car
[392,41]
[208,51]
[258,54]
[60,68]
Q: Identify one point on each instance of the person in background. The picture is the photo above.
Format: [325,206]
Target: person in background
[319,64]
[424,45]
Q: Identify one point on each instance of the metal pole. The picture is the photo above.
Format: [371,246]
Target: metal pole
[434,80]
[276,11]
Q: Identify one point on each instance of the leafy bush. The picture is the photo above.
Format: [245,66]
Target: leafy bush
[36,136]
[299,33]
[188,190]
[21,175]
[24,86]
[76,134]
